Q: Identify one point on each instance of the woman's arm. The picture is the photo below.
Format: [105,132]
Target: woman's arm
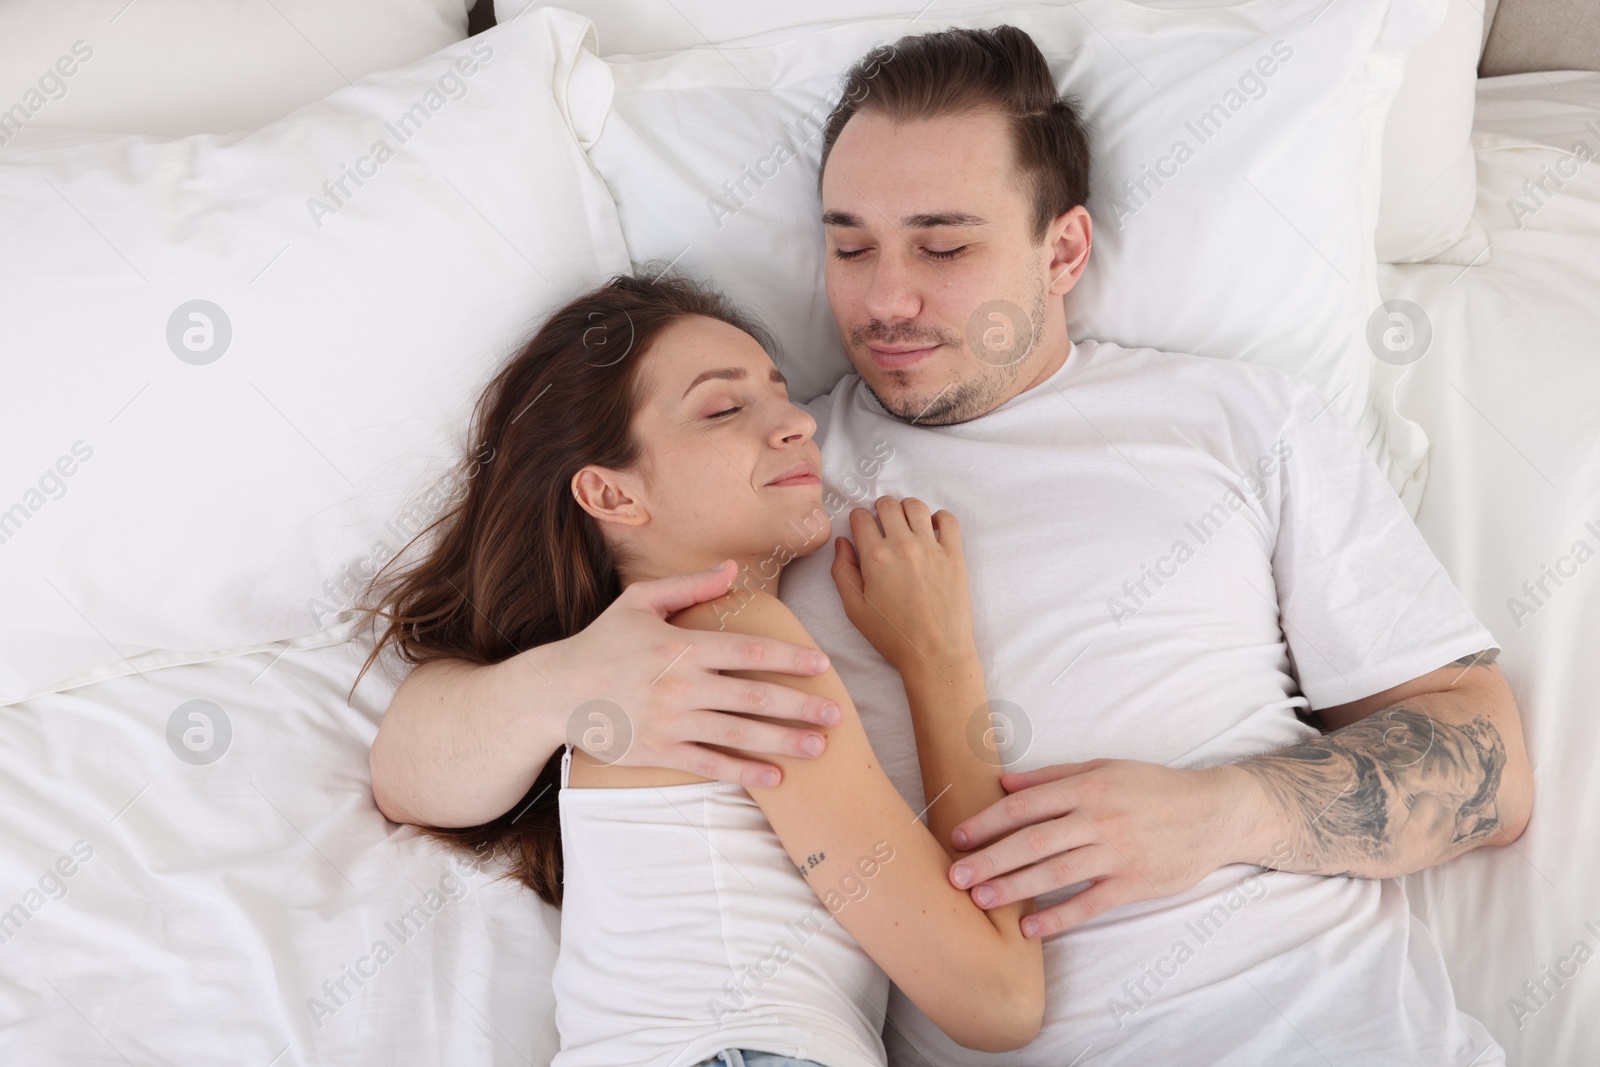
[904,586]
[879,870]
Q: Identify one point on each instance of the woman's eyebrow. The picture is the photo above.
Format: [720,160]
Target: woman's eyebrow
[731,374]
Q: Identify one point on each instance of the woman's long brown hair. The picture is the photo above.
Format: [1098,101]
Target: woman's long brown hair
[514,562]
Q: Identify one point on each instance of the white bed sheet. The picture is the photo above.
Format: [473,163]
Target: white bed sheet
[1509,394]
[220,898]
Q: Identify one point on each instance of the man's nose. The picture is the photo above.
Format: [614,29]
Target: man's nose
[892,292]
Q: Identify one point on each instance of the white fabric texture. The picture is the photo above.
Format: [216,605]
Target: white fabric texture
[686,930]
[367,263]
[1155,542]
[176,67]
[232,911]
[1264,118]
[1510,393]
[1429,171]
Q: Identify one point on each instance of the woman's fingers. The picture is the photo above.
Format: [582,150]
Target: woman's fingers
[846,571]
[892,517]
[919,517]
[949,530]
[864,528]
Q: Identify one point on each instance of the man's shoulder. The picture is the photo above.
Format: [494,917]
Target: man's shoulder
[1189,379]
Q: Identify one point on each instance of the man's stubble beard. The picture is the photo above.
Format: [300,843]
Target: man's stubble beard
[969,398]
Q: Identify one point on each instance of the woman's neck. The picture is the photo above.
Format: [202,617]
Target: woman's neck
[757,571]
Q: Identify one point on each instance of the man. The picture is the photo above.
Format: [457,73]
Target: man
[1172,559]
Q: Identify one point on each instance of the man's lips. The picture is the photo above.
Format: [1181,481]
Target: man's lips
[899,357]
[799,474]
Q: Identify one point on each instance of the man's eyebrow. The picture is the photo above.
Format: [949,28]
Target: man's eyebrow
[921,221]
[941,218]
[731,374]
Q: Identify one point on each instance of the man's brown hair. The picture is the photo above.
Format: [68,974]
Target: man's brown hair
[963,70]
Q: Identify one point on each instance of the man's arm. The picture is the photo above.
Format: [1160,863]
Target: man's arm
[1408,778]
[462,743]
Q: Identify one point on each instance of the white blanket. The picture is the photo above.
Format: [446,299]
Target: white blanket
[1509,394]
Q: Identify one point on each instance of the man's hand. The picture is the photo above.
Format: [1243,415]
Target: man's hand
[1408,778]
[1135,830]
[665,680]
[462,743]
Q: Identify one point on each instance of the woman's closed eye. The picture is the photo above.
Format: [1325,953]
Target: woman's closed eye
[725,413]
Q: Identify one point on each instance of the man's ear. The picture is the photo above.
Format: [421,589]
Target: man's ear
[1069,235]
[608,496]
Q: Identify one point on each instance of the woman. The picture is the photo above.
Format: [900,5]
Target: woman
[644,432]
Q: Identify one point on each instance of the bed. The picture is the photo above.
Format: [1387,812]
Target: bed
[194,870]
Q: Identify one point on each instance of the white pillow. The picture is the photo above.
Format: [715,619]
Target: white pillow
[175,67]
[1257,247]
[1429,177]
[632,27]
[152,500]
[1430,173]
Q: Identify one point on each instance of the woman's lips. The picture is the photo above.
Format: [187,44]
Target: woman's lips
[900,358]
[801,474]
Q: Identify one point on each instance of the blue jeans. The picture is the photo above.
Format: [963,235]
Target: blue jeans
[735,1057]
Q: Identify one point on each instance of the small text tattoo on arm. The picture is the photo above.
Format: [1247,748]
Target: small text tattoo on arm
[810,861]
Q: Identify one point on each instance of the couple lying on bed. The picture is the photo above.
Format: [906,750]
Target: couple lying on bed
[1246,695]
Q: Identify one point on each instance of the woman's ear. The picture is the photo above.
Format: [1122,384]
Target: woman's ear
[606,495]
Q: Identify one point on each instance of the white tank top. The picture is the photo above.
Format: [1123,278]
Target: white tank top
[686,930]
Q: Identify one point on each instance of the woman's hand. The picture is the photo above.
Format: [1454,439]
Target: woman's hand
[904,585]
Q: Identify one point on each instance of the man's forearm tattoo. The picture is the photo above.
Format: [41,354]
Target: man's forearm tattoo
[1394,783]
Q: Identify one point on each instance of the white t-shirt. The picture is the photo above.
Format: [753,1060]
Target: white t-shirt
[1169,555]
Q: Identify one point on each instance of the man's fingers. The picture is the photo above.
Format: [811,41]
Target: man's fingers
[751,736]
[1084,863]
[1040,841]
[709,763]
[1016,781]
[1096,900]
[1021,809]
[723,693]
[667,595]
[743,652]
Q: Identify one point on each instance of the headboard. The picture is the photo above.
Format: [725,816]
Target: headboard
[1528,35]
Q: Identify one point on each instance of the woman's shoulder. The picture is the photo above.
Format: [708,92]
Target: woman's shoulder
[746,611]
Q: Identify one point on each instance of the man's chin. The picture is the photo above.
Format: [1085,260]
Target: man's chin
[923,407]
